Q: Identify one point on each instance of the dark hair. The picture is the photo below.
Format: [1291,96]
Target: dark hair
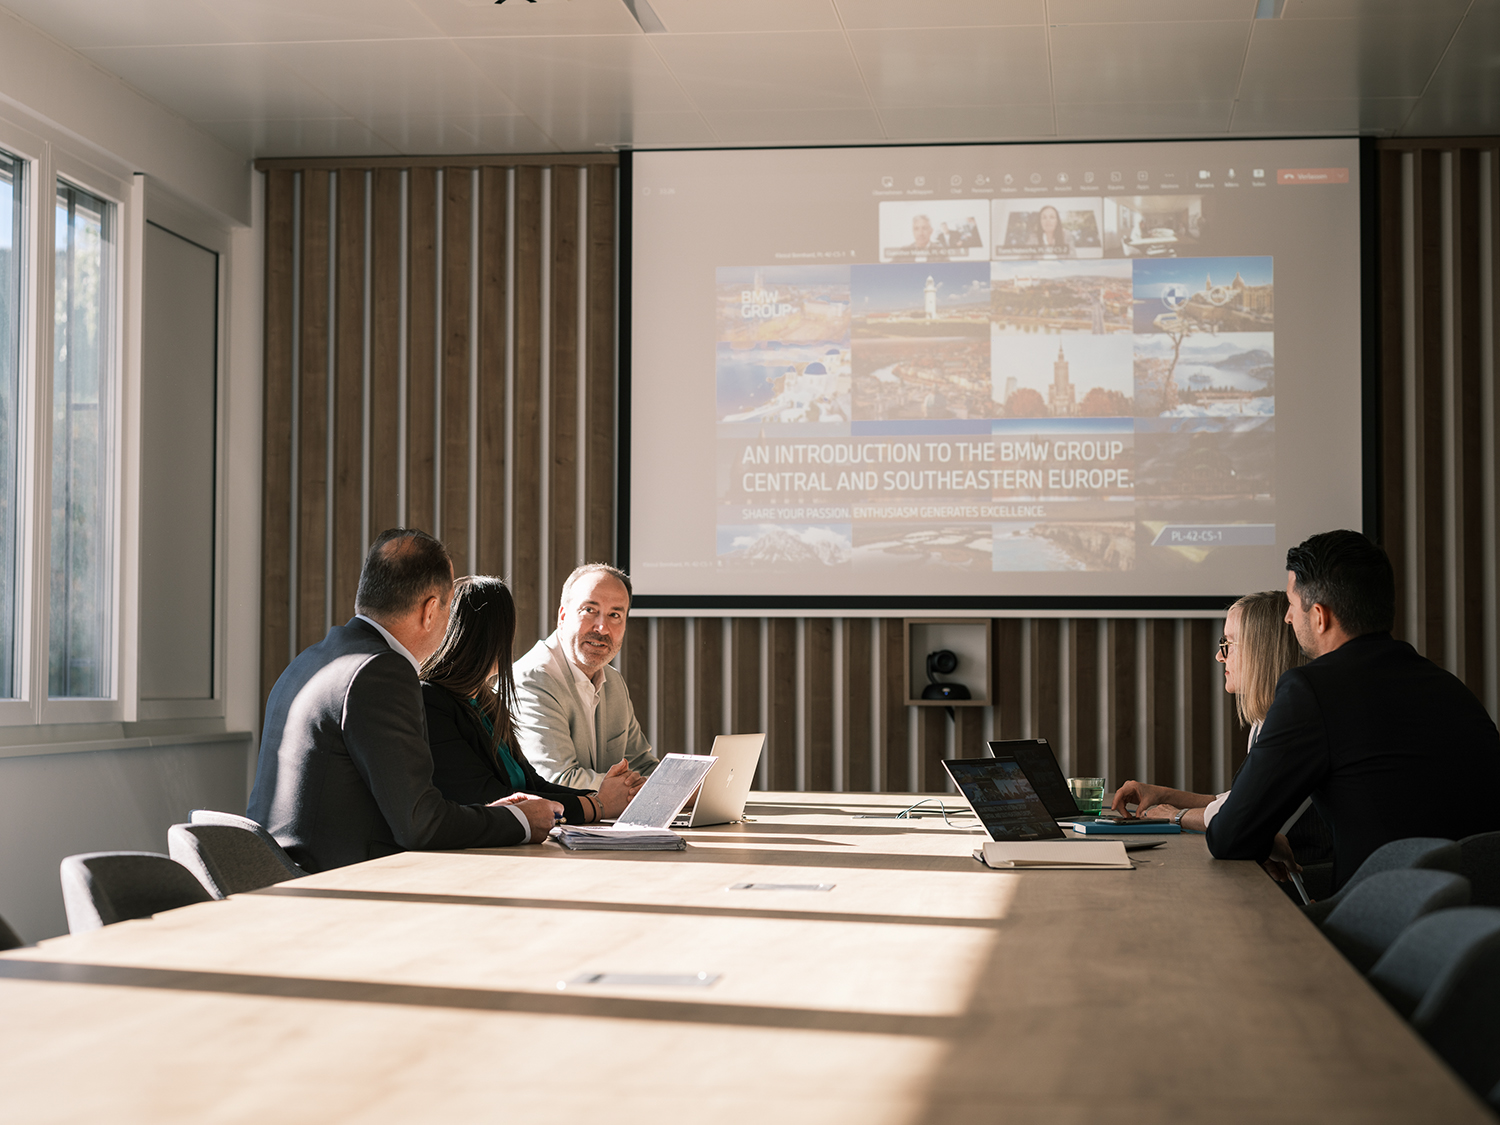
[481,631]
[596,568]
[1349,576]
[404,567]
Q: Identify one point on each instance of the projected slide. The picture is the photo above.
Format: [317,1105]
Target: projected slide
[1045,376]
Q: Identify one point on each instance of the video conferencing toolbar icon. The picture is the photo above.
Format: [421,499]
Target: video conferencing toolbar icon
[887,181]
[1142,176]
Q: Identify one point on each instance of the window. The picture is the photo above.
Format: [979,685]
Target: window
[12,259]
[81,618]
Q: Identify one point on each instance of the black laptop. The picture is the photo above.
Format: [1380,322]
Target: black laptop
[1042,770]
[998,791]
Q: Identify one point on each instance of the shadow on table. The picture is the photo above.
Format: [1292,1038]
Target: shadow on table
[284,890]
[569,1003]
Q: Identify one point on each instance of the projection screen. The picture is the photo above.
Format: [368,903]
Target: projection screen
[1048,375]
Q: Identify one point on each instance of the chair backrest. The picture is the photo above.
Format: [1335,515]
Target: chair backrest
[1480,865]
[226,859]
[1372,915]
[101,888]
[9,939]
[234,820]
[1443,974]
[1427,853]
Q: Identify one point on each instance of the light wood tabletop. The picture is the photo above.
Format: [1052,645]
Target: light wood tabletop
[921,988]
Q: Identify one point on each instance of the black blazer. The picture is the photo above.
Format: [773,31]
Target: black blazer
[1388,745]
[466,770]
[345,773]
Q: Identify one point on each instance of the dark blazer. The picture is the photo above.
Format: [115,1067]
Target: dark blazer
[1388,745]
[345,773]
[466,770]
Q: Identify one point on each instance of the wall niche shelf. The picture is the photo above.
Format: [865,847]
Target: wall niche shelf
[968,639]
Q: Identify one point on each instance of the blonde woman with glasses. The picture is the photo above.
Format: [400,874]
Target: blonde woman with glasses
[1257,647]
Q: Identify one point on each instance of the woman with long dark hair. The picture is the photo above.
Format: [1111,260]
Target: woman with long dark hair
[470,698]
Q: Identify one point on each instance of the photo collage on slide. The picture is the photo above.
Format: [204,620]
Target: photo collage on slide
[1017,385]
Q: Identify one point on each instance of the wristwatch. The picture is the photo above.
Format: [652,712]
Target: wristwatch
[1177,820]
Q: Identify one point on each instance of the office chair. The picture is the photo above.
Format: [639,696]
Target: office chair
[1371,916]
[1443,974]
[1480,865]
[234,820]
[101,888]
[226,859]
[1424,852]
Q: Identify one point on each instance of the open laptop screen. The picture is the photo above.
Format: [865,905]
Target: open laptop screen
[1042,770]
[1003,799]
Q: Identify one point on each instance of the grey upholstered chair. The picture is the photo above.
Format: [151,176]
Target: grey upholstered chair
[1480,865]
[226,859]
[1371,916]
[9,939]
[101,888]
[1443,974]
[234,820]
[1422,852]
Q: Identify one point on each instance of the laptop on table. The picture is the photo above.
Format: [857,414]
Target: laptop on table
[722,796]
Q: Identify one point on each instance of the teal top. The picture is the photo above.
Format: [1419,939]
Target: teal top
[512,768]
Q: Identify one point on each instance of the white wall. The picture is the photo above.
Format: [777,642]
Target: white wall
[119,785]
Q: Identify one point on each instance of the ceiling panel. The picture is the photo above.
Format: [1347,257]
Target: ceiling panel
[1143,119]
[383,78]
[224,83]
[341,136]
[764,70]
[1321,115]
[967,123]
[736,15]
[129,23]
[432,135]
[1439,10]
[1471,68]
[813,126]
[547,17]
[941,13]
[1144,63]
[1343,58]
[978,66]
[553,76]
[279,21]
[1149,11]
[647,130]
[1445,116]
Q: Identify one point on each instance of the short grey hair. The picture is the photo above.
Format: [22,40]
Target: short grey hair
[596,568]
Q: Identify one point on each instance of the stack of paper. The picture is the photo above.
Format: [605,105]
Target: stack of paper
[1053,855]
[617,838]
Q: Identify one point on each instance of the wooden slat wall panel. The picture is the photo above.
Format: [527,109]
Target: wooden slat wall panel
[276,486]
[492,502]
[312,410]
[421,344]
[457,234]
[349,394]
[599,515]
[562,381]
[1437,520]
[817,687]
[708,683]
[525,436]
[385,350]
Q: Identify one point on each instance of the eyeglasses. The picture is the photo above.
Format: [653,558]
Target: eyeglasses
[1224,646]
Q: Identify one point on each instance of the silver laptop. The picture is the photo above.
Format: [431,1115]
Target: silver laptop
[721,800]
[667,789]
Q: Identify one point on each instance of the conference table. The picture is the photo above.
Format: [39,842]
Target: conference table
[871,972]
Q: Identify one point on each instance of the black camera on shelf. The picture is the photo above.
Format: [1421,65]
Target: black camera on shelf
[943,663]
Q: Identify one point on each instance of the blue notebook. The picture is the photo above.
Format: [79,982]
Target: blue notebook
[1139,828]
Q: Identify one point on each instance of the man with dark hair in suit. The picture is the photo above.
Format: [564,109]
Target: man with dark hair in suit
[1386,743]
[345,773]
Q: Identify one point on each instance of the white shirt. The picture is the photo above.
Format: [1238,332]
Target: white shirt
[416,666]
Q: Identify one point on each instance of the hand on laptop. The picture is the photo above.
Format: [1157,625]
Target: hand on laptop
[540,813]
[1143,796]
[619,786]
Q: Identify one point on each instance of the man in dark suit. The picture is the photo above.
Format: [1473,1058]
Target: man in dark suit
[345,773]
[1387,744]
